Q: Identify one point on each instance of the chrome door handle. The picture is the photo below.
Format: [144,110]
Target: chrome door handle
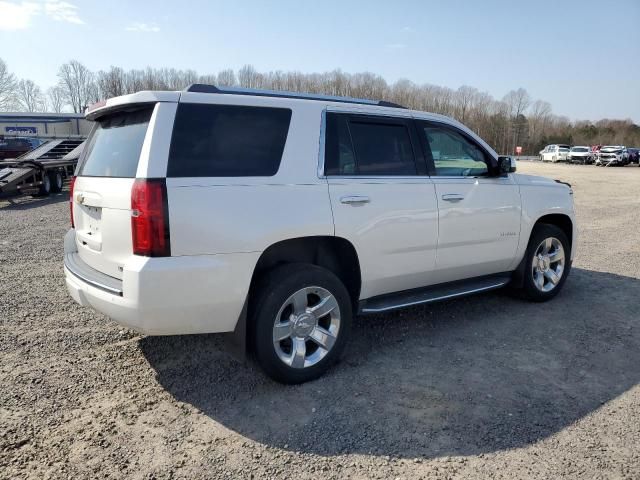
[355,199]
[452,197]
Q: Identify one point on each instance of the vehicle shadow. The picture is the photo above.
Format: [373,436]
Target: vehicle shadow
[463,377]
[27,202]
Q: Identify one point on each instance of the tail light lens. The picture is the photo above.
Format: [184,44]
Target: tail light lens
[71,185]
[150,218]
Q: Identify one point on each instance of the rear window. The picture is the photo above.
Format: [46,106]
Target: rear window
[367,147]
[113,149]
[227,141]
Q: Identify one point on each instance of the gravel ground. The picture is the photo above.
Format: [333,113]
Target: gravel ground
[482,387]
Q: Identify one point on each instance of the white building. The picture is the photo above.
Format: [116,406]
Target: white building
[43,125]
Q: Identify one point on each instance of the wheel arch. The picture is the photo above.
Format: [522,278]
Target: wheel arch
[560,220]
[336,254]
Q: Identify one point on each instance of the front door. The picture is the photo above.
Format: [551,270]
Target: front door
[479,215]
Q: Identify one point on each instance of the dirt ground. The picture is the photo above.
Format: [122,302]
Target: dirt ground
[482,387]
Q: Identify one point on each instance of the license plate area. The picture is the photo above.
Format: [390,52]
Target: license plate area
[92,217]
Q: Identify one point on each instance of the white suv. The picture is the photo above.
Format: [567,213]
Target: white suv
[280,216]
[555,153]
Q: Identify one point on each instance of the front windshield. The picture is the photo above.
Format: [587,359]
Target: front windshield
[579,149]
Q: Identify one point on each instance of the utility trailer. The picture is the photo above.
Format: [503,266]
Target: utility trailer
[41,171]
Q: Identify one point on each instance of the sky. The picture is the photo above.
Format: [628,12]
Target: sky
[581,56]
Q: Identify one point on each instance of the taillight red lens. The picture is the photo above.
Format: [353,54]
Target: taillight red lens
[71,185]
[150,218]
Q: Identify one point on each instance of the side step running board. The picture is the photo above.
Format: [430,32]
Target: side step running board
[435,293]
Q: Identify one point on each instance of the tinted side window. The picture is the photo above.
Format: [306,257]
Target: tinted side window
[339,156]
[453,154]
[359,147]
[227,141]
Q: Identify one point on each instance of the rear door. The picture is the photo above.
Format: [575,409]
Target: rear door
[102,191]
[382,199]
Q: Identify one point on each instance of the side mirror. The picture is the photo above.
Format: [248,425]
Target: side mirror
[506,165]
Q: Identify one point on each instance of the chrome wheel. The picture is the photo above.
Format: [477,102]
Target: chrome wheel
[306,327]
[548,263]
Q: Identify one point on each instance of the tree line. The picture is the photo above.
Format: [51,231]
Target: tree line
[514,120]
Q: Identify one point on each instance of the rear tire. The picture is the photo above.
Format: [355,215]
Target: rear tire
[45,188]
[300,321]
[56,181]
[546,264]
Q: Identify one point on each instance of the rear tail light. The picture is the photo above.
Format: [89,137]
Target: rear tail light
[71,185]
[150,218]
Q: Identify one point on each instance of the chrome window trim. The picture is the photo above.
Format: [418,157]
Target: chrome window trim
[323,136]
[376,177]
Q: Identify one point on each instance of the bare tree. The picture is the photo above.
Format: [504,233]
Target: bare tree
[209,79]
[514,120]
[539,117]
[248,77]
[111,83]
[30,96]
[55,96]
[78,84]
[227,78]
[7,87]
[517,102]
[464,98]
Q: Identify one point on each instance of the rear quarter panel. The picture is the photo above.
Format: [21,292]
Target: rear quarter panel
[215,215]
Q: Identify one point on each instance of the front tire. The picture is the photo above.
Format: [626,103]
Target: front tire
[300,321]
[547,263]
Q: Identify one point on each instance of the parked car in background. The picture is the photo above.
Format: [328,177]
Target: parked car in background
[634,155]
[14,147]
[369,208]
[555,153]
[613,155]
[580,154]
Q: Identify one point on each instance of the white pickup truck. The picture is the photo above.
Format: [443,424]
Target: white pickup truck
[279,216]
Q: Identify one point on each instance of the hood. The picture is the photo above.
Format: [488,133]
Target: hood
[535,180]
[523,179]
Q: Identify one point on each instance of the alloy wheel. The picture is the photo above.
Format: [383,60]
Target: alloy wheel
[306,327]
[547,266]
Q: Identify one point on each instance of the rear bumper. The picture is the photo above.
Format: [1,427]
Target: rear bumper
[166,296]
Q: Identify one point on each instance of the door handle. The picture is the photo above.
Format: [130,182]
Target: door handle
[452,197]
[355,199]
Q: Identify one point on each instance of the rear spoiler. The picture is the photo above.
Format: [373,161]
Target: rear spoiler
[134,100]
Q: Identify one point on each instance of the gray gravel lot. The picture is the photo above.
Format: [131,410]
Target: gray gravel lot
[482,387]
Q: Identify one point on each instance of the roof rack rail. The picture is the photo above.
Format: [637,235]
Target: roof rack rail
[204,88]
